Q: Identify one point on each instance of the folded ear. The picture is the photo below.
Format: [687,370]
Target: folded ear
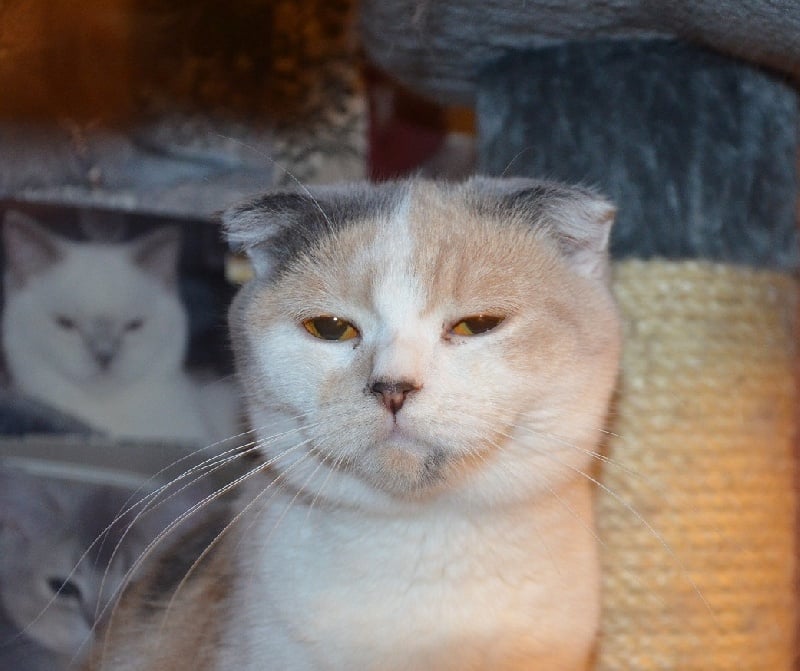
[256,227]
[277,226]
[577,218]
[30,248]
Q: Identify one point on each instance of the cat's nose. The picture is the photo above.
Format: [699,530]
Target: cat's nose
[103,352]
[103,359]
[393,393]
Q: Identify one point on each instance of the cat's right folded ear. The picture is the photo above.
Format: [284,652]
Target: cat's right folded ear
[270,227]
[579,219]
[280,225]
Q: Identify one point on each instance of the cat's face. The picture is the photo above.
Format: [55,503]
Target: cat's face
[436,338]
[96,314]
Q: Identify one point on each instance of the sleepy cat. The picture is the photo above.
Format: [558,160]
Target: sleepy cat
[98,330]
[54,578]
[428,368]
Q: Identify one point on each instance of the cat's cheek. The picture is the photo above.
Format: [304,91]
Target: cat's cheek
[299,368]
[73,360]
[473,384]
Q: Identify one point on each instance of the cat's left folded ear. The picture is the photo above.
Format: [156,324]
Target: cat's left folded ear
[250,226]
[578,218]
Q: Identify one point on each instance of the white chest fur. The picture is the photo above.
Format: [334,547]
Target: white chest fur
[332,589]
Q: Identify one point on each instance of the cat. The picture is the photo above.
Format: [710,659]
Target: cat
[98,330]
[427,367]
[57,540]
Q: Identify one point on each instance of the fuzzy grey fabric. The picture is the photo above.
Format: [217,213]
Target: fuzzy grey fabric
[697,150]
[437,47]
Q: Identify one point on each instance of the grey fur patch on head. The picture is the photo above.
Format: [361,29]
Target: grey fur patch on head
[280,225]
[275,228]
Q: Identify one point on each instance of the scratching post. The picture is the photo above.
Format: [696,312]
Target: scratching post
[703,451]
[696,511]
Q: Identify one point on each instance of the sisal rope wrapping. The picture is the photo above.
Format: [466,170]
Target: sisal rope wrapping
[703,450]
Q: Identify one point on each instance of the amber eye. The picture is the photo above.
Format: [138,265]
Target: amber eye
[330,328]
[475,325]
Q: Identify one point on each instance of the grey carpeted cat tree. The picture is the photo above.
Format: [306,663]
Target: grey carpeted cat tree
[668,108]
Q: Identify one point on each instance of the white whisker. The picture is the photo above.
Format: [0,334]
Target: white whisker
[288,173]
[237,517]
[645,523]
[218,493]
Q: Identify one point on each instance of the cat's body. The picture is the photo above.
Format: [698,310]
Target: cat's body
[428,367]
[98,330]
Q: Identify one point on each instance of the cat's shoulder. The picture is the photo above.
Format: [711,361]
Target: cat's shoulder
[178,606]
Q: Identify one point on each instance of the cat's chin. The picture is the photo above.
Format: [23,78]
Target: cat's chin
[404,467]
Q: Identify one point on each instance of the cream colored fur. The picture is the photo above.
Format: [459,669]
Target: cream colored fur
[456,533]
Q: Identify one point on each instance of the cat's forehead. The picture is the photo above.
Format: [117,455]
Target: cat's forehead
[101,277]
[430,248]
[478,245]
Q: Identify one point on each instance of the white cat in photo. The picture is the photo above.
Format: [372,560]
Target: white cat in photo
[98,330]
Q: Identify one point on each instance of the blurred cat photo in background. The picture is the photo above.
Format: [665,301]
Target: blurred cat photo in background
[98,329]
[113,335]
[65,549]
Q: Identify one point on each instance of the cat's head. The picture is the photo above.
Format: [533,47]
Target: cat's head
[415,338]
[98,314]
[65,548]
